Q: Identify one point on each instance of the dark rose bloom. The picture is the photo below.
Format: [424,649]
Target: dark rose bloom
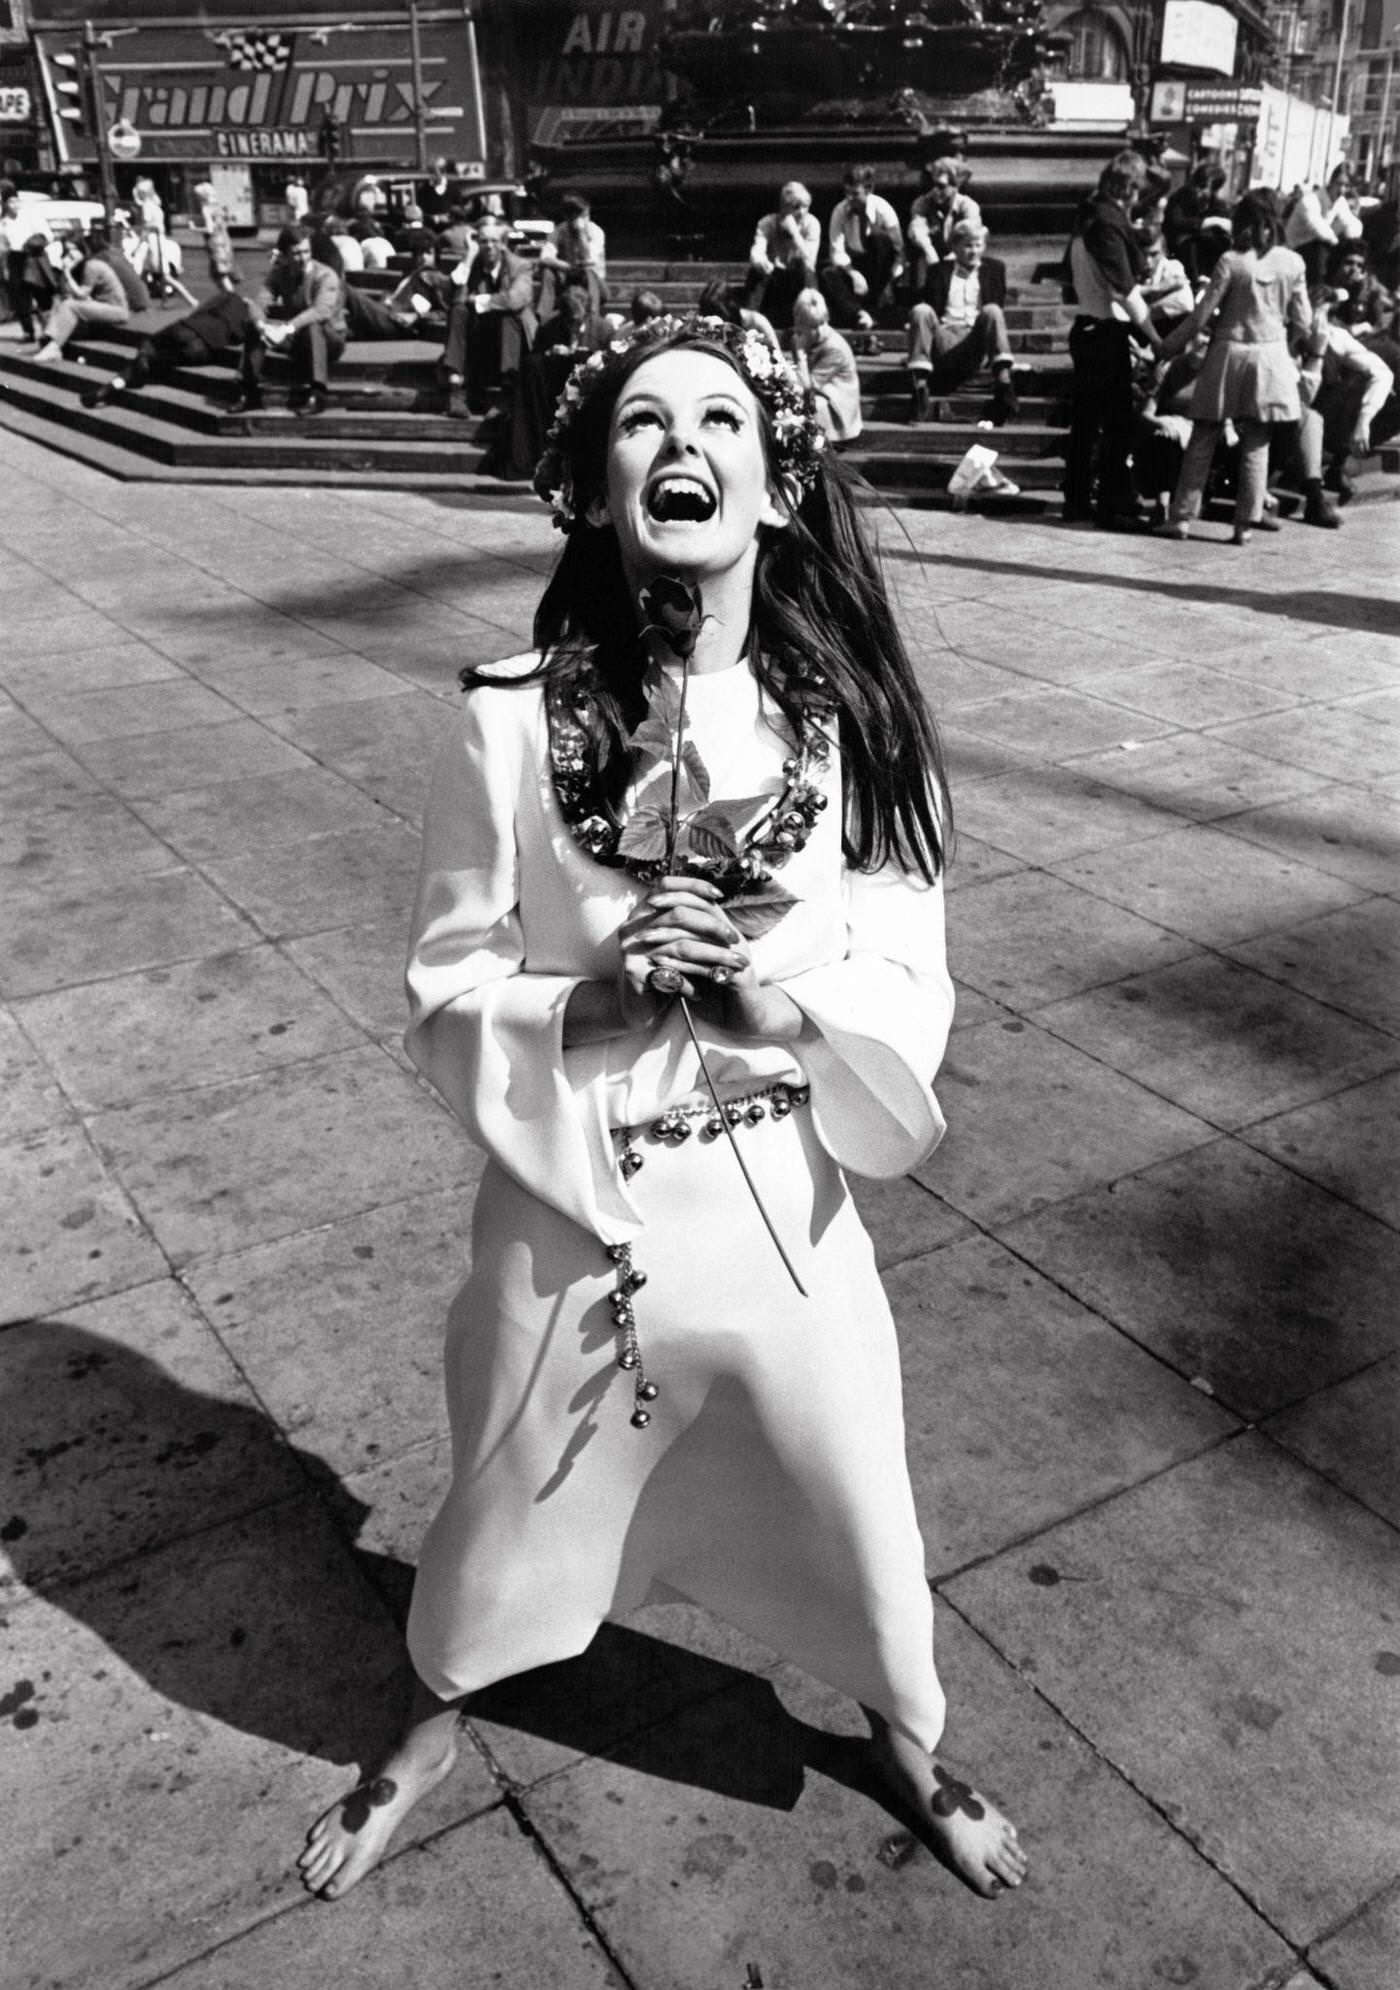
[674,610]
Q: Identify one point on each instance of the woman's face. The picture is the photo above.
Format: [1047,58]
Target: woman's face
[687,483]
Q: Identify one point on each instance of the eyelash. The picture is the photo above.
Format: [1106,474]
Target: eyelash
[729,416]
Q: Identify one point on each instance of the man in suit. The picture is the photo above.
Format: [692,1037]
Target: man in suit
[301,310]
[491,326]
[962,327]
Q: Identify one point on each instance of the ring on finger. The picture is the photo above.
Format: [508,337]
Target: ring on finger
[666,980]
[721,974]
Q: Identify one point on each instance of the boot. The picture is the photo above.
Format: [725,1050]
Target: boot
[1318,508]
[1005,406]
[457,404]
[919,399]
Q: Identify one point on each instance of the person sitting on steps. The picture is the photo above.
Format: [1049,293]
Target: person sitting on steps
[491,327]
[962,327]
[301,308]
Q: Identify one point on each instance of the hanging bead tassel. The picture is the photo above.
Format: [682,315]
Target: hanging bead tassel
[629,1353]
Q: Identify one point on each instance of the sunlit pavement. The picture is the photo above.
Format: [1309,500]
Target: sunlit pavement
[1147,1289]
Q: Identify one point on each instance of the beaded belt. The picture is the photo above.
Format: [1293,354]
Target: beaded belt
[670,1129]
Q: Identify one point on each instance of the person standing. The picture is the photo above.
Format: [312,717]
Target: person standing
[1256,305]
[1106,268]
[301,309]
[435,198]
[296,200]
[18,239]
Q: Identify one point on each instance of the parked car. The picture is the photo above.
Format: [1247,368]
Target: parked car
[526,230]
[58,214]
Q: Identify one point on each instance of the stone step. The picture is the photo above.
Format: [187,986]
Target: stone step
[1025,440]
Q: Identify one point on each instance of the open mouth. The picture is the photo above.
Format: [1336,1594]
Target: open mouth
[680,500]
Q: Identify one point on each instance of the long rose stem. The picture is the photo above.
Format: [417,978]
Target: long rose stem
[743,1166]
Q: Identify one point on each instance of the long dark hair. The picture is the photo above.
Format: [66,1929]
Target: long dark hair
[822,631]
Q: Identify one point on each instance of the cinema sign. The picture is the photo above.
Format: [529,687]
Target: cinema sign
[265,91]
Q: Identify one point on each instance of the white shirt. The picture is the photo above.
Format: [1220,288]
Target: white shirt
[848,227]
[964,299]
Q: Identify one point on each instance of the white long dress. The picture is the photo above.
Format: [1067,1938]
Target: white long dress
[771,1485]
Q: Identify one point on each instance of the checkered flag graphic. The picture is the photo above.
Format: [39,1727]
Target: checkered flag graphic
[246,48]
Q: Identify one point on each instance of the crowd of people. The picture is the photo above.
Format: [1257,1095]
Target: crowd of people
[1221,351]
[1214,352]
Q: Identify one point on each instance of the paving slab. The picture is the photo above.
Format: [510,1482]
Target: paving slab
[904,1219]
[1361,1956]
[71,1232]
[361,967]
[1314,667]
[1051,812]
[481,1896]
[1238,1272]
[166,1029]
[732,1836]
[1340,743]
[1208,886]
[1227,1044]
[1001,633]
[1348,958]
[1021,1405]
[83,928]
[151,764]
[1352,832]
[258,1158]
[1189,694]
[1347,1143]
[58,840]
[139,1431]
[1164,1627]
[1031,1121]
[340,1332]
[1197,775]
[126,710]
[263,813]
[974,862]
[325,881]
[268,688]
[174,1728]
[1027,939]
[117,663]
[30,1099]
[1351,1434]
[1058,722]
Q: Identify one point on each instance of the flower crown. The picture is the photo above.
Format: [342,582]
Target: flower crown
[798,440]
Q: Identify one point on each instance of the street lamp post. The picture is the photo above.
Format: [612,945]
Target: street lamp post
[92,79]
[415,46]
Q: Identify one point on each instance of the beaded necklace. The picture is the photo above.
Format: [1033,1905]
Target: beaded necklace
[711,841]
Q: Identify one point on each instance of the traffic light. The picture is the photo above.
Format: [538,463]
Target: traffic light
[73,94]
[329,138]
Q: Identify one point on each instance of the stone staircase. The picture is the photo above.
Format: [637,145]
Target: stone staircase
[387,425]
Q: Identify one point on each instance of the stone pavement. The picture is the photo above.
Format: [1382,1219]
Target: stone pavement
[1147,1290]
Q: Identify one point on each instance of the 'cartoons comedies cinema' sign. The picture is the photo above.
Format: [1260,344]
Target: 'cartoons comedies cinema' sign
[264,92]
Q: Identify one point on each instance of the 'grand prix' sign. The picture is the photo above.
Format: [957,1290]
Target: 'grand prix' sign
[265,92]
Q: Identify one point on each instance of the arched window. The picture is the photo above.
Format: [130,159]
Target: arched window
[1096,52]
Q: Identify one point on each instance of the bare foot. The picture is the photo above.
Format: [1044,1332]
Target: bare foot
[348,1840]
[962,1829]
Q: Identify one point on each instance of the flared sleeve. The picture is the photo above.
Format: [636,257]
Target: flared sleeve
[881,1018]
[486,1025]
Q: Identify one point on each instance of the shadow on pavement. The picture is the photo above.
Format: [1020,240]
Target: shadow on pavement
[1341,611]
[175,1524]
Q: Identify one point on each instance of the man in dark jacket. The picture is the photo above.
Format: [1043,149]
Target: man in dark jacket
[1106,270]
[961,327]
[217,330]
[301,310]
[491,326]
